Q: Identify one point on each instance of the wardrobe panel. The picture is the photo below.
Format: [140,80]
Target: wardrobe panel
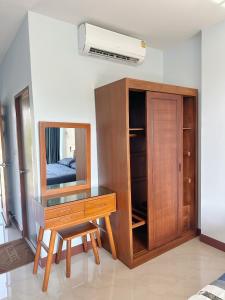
[164,137]
[147,154]
[113,161]
[189,163]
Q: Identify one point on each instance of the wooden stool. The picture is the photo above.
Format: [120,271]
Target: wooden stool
[77,231]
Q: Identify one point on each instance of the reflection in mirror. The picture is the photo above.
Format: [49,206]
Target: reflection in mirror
[65,157]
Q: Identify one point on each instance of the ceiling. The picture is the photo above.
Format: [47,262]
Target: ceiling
[162,23]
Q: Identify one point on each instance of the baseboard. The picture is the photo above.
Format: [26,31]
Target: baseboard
[198,231]
[212,242]
[74,250]
[15,222]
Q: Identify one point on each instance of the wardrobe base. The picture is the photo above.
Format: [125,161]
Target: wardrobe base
[145,256]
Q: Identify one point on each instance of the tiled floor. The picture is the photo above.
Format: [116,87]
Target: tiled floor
[8,234]
[175,275]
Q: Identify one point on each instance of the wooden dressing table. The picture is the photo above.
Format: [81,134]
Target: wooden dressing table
[67,210]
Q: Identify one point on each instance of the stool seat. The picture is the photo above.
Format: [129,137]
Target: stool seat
[76,231]
[68,234]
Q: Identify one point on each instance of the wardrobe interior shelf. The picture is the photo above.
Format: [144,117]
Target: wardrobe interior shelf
[136,129]
[187,128]
[137,221]
[139,212]
[136,132]
[132,135]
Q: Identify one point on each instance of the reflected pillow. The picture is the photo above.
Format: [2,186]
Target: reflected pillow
[73,165]
[66,161]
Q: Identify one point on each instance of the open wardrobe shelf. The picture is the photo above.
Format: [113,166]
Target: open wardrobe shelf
[137,221]
[136,129]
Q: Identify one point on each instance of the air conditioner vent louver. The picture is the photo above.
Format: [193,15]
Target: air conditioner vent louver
[112,55]
[99,42]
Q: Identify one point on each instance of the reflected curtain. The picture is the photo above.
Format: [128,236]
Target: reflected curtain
[52,140]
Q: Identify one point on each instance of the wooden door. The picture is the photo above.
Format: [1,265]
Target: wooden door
[3,173]
[164,164]
[25,149]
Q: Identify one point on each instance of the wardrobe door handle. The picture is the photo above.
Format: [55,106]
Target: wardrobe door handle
[179,167]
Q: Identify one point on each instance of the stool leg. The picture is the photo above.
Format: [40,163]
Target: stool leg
[38,250]
[95,249]
[84,241]
[98,236]
[59,252]
[68,258]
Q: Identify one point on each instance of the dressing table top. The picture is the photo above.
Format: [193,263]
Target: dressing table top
[79,195]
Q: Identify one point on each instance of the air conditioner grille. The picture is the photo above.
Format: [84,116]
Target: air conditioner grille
[112,55]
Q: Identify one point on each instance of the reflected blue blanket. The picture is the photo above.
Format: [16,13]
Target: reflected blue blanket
[57,173]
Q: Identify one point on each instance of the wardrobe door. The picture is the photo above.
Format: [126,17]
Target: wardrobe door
[164,164]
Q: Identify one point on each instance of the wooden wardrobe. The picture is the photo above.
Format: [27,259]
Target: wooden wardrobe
[147,154]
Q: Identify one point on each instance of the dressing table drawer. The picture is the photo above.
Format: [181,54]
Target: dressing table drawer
[100,205]
[62,211]
[64,220]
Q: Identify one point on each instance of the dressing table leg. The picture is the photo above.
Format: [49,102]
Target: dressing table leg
[95,249]
[49,261]
[68,258]
[38,250]
[110,236]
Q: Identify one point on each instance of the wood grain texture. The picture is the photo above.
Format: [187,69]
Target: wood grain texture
[68,258]
[112,123]
[76,231]
[74,212]
[49,261]
[66,222]
[38,250]
[80,146]
[147,255]
[74,251]
[95,249]
[59,251]
[24,126]
[135,84]
[122,161]
[190,162]
[164,137]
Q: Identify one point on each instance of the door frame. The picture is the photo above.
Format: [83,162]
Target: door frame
[21,160]
[5,204]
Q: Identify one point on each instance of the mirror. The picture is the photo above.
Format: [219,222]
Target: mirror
[65,157]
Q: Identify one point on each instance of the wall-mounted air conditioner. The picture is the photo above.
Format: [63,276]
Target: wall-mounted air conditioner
[96,41]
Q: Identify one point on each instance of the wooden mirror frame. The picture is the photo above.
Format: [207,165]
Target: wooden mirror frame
[43,180]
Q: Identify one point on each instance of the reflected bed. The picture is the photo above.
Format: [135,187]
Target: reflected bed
[61,172]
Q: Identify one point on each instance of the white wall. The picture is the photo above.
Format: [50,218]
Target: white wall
[182,63]
[213,132]
[64,81]
[182,66]
[15,75]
